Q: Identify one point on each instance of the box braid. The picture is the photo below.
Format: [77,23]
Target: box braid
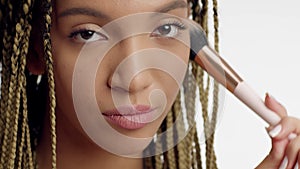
[187,152]
[17,136]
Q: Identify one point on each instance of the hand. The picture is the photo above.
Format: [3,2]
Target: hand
[285,152]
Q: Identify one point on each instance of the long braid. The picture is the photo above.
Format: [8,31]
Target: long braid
[201,18]
[50,73]
[170,141]
[158,148]
[6,40]
[25,138]
[211,158]
[190,96]
[216,85]
[5,83]
[22,82]
[209,124]
[203,100]
[16,86]
[17,95]
[12,113]
[182,156]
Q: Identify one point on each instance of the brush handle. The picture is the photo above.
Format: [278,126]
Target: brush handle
[218,68]
[248,96]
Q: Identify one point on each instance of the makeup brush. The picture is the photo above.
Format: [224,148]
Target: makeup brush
[216,66]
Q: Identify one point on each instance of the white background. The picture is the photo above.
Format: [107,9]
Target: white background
[261,40]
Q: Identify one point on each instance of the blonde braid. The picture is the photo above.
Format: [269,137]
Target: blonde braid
[203,18]
[209,125]
[50,73]
[182,156]
[12,113]
[158,148]
[216,85]
[170,141]
[25,126]
[209,130]
[189,98]
[17,103]
[197,151]
[203,94]
[5,78]
[22,81]
[5,87]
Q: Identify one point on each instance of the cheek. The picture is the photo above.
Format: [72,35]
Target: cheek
[64,61]
[171,89]
[182,51]
[64,58]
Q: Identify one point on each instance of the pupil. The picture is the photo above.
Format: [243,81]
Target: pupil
[87,34]
[164,29]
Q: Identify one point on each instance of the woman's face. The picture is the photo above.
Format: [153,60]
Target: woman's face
[131,87]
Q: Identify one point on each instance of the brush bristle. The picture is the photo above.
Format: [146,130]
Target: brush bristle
[198,40]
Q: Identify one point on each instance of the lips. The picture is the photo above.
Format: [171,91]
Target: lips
[131,117]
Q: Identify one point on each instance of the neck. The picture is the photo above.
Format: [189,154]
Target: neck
[76,151]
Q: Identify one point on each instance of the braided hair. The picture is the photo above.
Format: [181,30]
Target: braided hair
[20,115]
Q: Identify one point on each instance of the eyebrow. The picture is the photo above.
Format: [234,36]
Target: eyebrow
[82,11]
[173,5]
[94,13]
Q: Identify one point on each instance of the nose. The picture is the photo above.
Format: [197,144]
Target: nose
[130,74]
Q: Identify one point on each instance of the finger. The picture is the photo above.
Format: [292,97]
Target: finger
[298,161]
[276,155]
[278,150]
[292,152]
[275,106]
[286,126]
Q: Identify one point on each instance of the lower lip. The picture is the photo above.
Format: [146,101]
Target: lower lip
[131,122]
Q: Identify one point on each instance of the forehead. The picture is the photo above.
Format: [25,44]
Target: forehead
[117,8]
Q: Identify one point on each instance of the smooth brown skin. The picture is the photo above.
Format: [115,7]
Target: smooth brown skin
[74,148]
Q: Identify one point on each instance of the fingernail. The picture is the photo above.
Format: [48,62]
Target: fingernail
[275,131]
[296,166]
[272,97]
[284,163]
[292,136]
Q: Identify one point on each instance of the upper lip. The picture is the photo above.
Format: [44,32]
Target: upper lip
[128,110]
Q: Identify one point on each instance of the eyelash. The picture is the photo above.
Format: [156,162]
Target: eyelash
[84,30]
[179,25]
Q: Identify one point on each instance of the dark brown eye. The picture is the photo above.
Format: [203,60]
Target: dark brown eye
[87,36]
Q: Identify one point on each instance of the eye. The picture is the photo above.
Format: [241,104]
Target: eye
[85,36]
[169,30]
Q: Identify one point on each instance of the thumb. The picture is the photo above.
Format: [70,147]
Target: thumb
[275,106]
